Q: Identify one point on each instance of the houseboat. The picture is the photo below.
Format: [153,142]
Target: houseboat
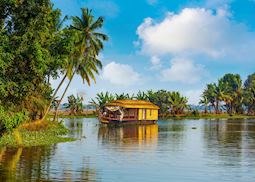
[129,111]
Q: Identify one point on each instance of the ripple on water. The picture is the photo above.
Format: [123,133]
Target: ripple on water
[168,151]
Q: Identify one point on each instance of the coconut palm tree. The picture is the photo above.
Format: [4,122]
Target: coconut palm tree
[123,96]
[204,102]
[72,104]
[177,103]
[249,94]
[141,96]
[102,99]
[88,44]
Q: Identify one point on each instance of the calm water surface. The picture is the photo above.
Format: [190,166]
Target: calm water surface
[216,150]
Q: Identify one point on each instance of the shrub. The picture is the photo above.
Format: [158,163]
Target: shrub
[11,120]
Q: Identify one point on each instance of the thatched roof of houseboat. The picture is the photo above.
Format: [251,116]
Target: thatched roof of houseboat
[139,104]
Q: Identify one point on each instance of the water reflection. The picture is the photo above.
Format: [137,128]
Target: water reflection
[75,127]
[35,163]
[189,150]
[230,142]
[129,134]
[20,163]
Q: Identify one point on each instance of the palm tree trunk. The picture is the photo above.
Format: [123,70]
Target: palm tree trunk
[56,113]
[53,97]
[217,107]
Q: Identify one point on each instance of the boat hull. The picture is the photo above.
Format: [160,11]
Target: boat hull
[117,122]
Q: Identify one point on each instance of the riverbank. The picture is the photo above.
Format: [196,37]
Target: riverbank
[210,116]
[180,116]
[67,114]
[36,134]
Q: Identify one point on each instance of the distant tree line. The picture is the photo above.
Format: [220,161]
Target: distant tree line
[231,95]
[169,102]
[228,95]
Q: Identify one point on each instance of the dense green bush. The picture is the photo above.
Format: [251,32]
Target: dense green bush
[11,120]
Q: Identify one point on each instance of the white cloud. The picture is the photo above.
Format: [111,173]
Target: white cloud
[183,70]
[155,63]
[196,31]
[193,96]
[120,74]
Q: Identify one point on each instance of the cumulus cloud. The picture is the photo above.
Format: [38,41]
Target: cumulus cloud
[196,31]
[183,70]
[155,63]
[193,96]
[120,74]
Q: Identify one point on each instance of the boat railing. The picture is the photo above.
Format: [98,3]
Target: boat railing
[114,117]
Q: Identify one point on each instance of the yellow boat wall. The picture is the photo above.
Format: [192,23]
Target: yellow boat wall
[148,114]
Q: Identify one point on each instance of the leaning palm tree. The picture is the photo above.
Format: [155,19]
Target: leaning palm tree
[88,44]
[62,33]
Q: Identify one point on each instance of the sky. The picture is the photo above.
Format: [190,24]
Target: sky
[177,45]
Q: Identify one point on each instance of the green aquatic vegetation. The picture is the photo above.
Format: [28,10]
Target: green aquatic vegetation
[54,133]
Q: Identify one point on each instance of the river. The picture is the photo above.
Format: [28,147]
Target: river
[184,150]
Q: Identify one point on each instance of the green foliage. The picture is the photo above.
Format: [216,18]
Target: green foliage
[204,102]
[249,94]
[30,53]
[141,96]
[177,103]
[52,135]
[10,120]
[169,102]
[231,94]
[102,99]
[75,104]
[87,44]
[123,96]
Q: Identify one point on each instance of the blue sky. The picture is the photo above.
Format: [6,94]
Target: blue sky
[169,44]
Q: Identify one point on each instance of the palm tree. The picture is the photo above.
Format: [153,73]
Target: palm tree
[88,44]
[123,96]
[204,102]
[177,102]
[249,94]
[72,104]
[61,32]
[209,93]
[141,96]
[102,99]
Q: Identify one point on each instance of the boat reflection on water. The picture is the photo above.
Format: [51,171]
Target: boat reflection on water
[129,134]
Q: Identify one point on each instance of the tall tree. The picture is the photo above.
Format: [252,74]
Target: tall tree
[177,103]
[232,84]
[204,102]
[88,44]
[28,36]
[249,94]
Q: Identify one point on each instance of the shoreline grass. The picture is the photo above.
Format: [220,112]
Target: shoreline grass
[211,116]
[36,134]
